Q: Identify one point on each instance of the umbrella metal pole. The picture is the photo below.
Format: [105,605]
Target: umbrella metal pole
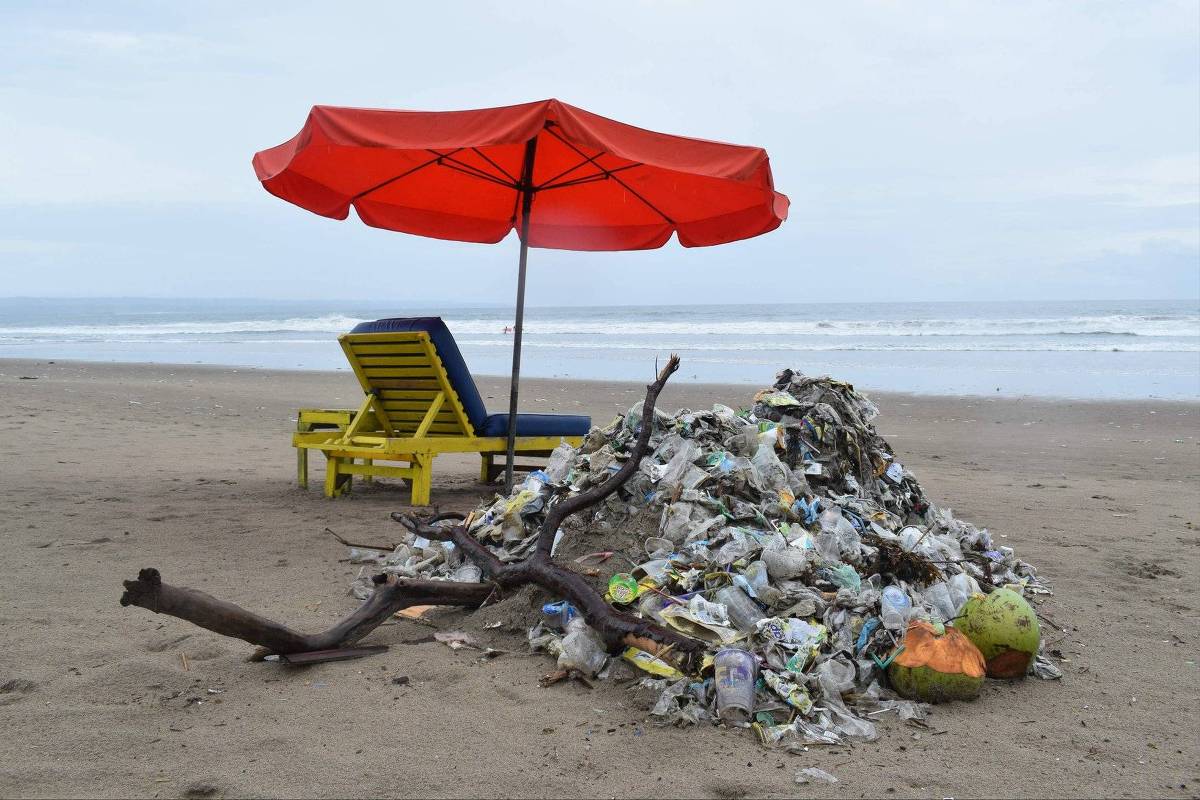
[518,324]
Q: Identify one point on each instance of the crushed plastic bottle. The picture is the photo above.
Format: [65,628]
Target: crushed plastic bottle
[939,602]
[742,611]
[753,579]
[895,606]
[838,538]
[771,473]
[962,586]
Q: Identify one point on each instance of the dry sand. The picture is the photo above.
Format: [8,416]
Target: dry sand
[108,468]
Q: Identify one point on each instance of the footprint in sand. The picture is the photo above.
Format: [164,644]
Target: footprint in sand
[15,689]
[162,643]
[1148,569]
[205,652]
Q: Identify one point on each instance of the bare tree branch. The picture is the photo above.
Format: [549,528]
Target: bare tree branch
[219,616]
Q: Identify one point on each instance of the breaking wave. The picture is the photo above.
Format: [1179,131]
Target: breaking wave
[767,329]
[324,324]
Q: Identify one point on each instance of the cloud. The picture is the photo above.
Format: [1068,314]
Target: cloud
[36,247]
[128,42]
[1159,182]
[927,155]
[52,164]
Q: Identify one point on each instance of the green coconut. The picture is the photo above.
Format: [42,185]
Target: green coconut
[935,667]
[1005,629]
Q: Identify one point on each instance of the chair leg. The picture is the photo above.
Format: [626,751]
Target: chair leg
[485,468]
[422,481]
[368,478]
[331,465]
[337,483]
[302,467]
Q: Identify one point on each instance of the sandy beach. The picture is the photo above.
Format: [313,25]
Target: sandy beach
[107,468]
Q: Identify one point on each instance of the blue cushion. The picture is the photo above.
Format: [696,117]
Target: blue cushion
[447,350]
[538,425]
[468,393]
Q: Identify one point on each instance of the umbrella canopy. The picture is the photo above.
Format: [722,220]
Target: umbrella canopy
[562,177]
[597,184]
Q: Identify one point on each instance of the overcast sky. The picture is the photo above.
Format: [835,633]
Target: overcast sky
[942,151]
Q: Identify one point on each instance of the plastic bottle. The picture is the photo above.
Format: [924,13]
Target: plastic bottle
[742,611]
[559,614]
[895,606]
[939,602]
[791,562]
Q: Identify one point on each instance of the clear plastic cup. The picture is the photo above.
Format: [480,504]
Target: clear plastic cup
[734,672]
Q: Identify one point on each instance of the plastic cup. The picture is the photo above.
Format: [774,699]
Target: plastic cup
[734,672]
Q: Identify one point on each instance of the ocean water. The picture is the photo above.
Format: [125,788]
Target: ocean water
[1125,349]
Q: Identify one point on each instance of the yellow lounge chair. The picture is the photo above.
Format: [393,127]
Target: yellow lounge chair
[420,400]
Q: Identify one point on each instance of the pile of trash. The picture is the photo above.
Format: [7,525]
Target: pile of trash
[790,539]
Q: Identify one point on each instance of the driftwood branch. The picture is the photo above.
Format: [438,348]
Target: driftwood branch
[617,628]
[390,595]
[586,499]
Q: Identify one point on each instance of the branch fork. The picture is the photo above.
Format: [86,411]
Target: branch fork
[616,628]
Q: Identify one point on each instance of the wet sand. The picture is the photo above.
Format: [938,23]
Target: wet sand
[106,468]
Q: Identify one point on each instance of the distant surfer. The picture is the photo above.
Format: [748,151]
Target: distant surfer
[507,329]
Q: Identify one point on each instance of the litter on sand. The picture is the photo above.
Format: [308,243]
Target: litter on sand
[793,541]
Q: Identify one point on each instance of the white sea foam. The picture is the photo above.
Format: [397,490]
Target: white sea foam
[769,332]
[1111,325]
[331,323]
[818,347]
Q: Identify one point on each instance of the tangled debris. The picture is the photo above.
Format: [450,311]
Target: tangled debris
[785,571]
[788,530]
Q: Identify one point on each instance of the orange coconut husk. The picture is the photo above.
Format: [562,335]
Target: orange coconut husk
[951,653]
[936,667]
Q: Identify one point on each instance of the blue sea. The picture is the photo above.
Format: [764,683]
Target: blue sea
[1118,349]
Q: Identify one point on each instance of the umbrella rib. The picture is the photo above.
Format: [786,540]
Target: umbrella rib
[587,159]
[404,174]
[468,169]
[603,174]
[626,186]
[648,204]
[499,168]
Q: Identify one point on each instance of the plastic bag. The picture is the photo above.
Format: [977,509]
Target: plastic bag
[559,466]
[582,649]
[771,474]
[673,471]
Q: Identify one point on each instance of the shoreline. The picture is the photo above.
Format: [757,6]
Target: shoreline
[9,364]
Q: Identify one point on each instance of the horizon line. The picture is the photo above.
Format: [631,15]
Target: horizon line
[459,304]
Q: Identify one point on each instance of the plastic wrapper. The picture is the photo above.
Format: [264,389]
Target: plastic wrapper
[814,775]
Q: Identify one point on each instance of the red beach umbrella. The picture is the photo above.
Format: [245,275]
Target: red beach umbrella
[562,177]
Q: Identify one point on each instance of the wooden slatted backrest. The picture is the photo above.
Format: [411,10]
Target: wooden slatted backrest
[403,371]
